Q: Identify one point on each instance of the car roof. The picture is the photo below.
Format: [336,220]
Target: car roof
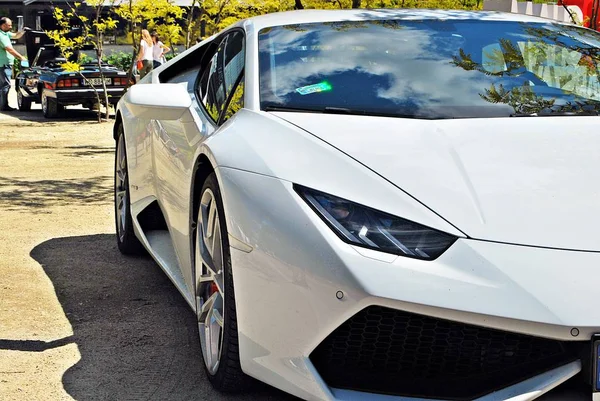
[308,16]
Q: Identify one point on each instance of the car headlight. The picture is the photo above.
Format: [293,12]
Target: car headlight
[366,227]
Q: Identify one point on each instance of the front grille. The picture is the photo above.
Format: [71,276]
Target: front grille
[388,351]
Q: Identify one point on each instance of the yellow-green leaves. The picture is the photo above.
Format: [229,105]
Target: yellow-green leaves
[71,67]
[160,15]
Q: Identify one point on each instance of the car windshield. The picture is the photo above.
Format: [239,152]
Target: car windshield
[431,69]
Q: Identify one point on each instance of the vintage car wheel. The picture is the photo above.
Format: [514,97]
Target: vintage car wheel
[50,106]
[215,299]
[126,240]
[23,103]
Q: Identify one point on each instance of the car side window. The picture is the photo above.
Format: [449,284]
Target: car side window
[211,90]
[234,60]
[186,70]
[187,76]
[236,102]
[221,74]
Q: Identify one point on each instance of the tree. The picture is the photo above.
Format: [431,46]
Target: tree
[218,14]
[92,31]
[190,22]
[160,15]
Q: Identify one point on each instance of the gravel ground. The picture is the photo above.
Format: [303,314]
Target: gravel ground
[77,319]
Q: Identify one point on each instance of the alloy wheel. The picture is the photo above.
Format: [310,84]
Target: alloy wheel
[44,103]
[210,288]
[121,188]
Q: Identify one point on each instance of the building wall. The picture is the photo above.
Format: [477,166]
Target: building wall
[36,16]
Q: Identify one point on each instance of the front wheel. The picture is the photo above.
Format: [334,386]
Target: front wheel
[215,298]
[126,240]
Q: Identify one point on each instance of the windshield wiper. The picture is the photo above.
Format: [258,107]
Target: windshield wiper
[326,110]
[290,109]
[344,110]
[558,114]
[341,110]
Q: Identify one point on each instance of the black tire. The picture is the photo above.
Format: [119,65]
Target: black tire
[50,106]
[126,240]
[229,377]
[23,103]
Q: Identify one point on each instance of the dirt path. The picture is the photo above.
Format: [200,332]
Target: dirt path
[78,320]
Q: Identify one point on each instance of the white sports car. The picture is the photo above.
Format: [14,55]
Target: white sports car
[376,205]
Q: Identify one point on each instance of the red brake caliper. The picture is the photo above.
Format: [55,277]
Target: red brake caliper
[213,288]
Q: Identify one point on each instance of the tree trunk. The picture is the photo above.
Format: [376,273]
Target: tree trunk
[99,52]
[355,3]
[299,6]
[133,45]
[190,20]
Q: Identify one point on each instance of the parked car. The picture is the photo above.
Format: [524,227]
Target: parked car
[376,204]
[45,81]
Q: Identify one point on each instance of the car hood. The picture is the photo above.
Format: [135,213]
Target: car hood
[530,181]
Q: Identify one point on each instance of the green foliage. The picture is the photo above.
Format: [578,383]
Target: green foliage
[218,14]
[93,30]
[85,59]
[171,54]
[17,67]
[521,99]
[156,15]
[125,40]
[236,103]
[120,60]
[123,60]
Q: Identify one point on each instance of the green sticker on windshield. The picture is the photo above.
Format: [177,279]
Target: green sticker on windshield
[320,87]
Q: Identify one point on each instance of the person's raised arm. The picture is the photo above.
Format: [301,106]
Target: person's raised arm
[15,53]
[18,35]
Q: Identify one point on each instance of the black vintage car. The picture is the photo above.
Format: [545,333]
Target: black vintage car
[46,82]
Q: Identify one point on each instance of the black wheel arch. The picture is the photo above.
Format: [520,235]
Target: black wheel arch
[118,121]
[202,169]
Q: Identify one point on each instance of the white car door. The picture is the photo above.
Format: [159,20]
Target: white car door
[210,87]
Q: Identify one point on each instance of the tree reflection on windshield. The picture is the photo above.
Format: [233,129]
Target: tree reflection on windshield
[430,68]
[537,93]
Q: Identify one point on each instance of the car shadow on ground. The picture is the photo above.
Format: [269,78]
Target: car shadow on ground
[88,150]
[136,335]
[36,196]
[70,114]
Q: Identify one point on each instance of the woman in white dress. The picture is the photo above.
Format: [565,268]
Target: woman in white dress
[158,50]
[145,55]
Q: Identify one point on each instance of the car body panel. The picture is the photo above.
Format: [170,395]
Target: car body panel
[299,288]
[299,157]
[523,181]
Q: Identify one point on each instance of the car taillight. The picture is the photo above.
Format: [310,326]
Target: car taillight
[67,83]
[120,81]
